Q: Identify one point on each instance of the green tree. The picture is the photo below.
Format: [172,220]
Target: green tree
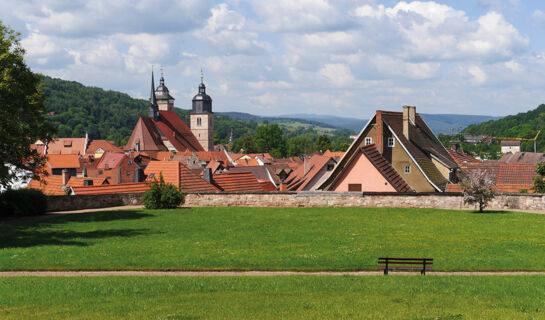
[245,144]
[270,138]
[22,111]
[323,143]
[539,180]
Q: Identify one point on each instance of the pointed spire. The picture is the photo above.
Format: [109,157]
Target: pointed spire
[162,80]
[202,77]
[153,111]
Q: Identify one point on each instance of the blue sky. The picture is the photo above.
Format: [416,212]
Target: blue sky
[344,57]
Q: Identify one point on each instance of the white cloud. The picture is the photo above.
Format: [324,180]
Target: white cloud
[338,74]
[479,76]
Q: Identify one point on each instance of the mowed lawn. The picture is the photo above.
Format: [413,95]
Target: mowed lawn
[236,238]
[292,297]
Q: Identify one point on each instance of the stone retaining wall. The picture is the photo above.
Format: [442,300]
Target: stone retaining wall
[306,199]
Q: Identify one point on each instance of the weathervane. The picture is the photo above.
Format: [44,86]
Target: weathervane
[202,76]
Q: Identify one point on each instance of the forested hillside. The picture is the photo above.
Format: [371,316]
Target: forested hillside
[76,109]
[521,125]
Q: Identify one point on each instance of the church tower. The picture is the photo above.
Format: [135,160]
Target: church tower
[202,118]
[165,101]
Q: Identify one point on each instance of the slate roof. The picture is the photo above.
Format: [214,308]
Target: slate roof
[239,181]
[176,173]
[422,145]
[385,168]
[510,143]
[139,187]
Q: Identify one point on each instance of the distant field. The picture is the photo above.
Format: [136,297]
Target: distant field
[237,238]
[273,298]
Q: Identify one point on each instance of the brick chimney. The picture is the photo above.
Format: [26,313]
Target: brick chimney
[65,177]
[307,165]
[409,117]
[379,128]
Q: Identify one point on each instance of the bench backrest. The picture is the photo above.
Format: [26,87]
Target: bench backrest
[420,261]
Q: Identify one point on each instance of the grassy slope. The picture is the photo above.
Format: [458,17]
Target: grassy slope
[275,239]
[273,298]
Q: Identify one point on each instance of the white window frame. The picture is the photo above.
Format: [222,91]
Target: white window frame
[407,169]
[368,141]
[391,142]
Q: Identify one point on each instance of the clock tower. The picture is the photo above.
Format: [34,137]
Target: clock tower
[202,118]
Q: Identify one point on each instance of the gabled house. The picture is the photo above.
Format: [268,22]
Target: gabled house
[405,141]
[310,174]
[179,175]
[116,167]
[57,163]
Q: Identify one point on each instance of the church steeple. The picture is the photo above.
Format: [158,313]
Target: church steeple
[153,111]
[165,101]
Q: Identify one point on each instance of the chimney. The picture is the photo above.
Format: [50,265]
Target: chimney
[283,186]
[379,128]
[207,175]
[65,177]
[409,117]
[307,165]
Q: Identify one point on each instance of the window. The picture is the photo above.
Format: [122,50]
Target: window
[391,142]
[368,140]
[199,122]
[354,187]
[330,167]
[408,168]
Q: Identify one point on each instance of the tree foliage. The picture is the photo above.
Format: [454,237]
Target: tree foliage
[539,180]
[162,195]
[478,188]
[22,111]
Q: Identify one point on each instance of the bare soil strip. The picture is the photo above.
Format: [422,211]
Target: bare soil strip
[252,273]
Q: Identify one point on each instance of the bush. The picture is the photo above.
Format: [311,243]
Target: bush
[162,195]
[22,202]
[478,188]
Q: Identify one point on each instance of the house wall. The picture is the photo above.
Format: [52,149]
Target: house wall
[362,171]
[416,179]
[307,199]
[442,168]
[320,177]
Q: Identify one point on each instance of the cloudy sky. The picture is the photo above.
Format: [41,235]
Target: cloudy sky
[337,57]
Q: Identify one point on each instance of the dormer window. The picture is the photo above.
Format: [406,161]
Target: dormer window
[391,142]
[368,141]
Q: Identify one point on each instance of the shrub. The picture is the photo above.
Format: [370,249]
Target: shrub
[22,202]
[539,180]
[162,195]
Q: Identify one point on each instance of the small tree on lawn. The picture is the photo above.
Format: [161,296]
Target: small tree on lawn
[478,187]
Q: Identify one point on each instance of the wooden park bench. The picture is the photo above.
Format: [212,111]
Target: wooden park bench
[421,264]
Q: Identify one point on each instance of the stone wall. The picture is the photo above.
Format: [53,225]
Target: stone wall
[307,199]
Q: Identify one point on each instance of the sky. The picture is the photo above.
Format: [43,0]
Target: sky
[334,57]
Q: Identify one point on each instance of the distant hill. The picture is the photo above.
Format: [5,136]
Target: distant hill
[521,125]
[439,123]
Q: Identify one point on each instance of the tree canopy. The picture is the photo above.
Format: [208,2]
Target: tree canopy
[22,111]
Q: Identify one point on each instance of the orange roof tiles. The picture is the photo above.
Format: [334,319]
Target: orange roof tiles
[138,187]
[267,185]
[247,163]
[105,145]
[78,181]
[299,178]
[63,161]
[333,154]
[50,185]
[240,181]
[177,174]
[66,146]
[110,160]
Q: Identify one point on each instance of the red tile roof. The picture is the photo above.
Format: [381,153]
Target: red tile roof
[332,154]
[66,146]
[63,161]
[78,181]
[267,185]
[240,181]
[523,157]
[50,185]
[105,145]
[110,160]
[247,162]
[179,175]
[299,179]
[139,187]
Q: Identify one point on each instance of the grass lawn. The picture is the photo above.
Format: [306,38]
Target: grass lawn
[221,238]
[273,298]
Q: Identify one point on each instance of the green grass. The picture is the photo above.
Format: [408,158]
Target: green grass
[273,298]
[222,238]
